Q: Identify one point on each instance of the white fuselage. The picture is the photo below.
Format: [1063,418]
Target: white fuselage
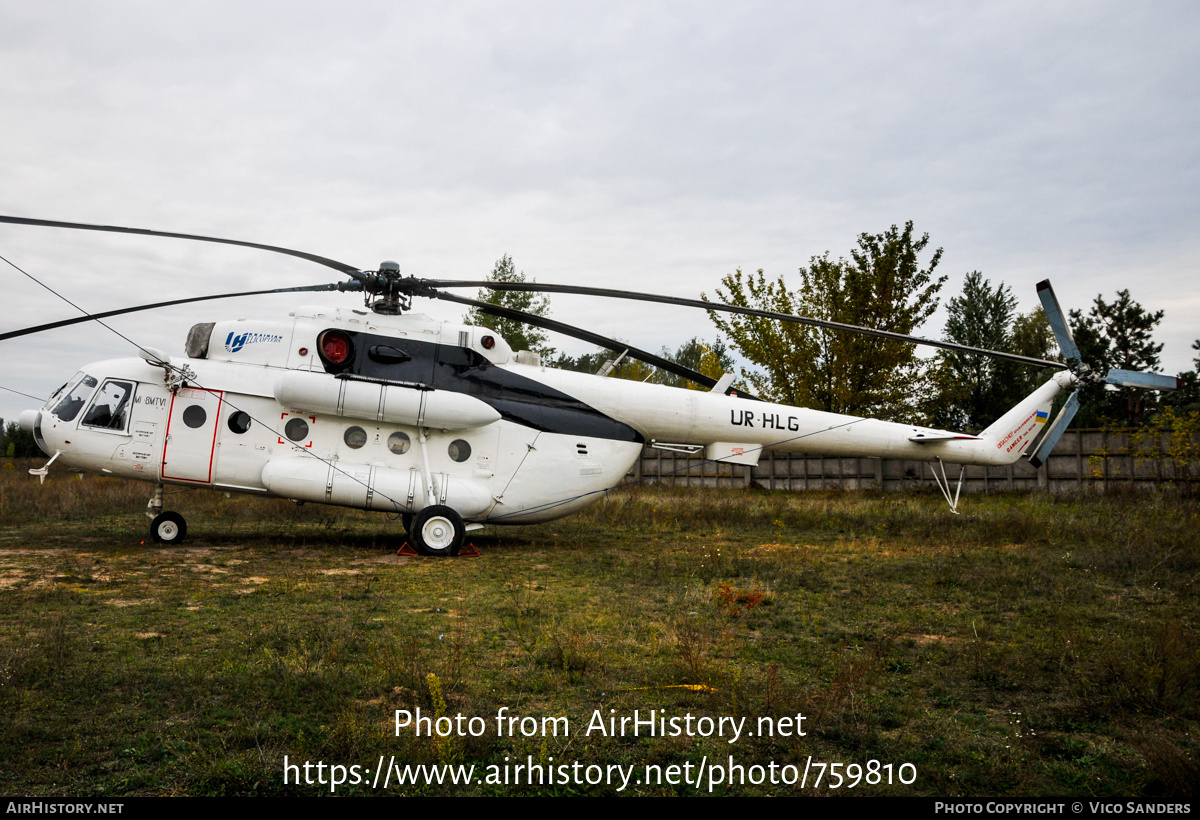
[436,413]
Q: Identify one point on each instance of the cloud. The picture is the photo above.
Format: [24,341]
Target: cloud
[641,145]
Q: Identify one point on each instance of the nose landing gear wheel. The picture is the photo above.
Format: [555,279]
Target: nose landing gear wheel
[438,531]
[168,528]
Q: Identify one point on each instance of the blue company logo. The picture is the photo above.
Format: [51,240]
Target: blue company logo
[236,341]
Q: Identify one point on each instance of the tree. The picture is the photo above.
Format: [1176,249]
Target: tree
[17,443]
[519,335]
[632,369]
[1116,335]
[584,362]
[883,286]
[1033,337]
[974,390]
[711,360]
[1186,399]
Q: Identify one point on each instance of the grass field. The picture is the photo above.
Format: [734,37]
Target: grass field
[1032,646]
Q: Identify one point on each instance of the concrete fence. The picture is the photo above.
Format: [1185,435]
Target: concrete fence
[1092,460]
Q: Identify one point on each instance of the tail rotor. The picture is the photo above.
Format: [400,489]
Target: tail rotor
[1082,374]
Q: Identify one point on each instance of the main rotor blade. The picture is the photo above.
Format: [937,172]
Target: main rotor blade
[1057,428]
[13,334]
[585,335]
[538,287]
[1058,323]
[342,267]
[1134,378]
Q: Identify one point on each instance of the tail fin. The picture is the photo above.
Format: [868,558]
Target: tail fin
[1010,436]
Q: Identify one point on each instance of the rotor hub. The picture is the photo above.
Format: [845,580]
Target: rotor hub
[386,284]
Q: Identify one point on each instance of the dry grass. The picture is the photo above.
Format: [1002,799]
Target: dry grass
[1032,646]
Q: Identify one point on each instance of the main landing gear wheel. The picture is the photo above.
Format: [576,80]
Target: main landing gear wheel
[168,528]
[438,531]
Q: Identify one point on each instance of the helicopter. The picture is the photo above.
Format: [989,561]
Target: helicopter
[445,425]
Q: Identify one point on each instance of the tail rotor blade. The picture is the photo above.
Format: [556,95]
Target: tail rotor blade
[1058,323]
[1133,378]
[1057,428]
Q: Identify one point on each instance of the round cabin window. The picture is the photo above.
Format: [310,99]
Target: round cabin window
[355,437]
[194,416]
[296,429]
[239,422]
[459,450]
[399,443]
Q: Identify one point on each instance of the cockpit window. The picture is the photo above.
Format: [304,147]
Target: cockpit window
[50,402]
[109,409]
[72,403]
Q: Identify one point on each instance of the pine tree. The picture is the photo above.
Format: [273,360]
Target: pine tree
[1116,335]
[973,389]
[519,335]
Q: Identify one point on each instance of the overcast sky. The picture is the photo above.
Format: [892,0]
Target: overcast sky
[651,146]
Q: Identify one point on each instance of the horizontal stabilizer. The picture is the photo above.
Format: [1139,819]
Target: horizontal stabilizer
[731,452]
[932,438]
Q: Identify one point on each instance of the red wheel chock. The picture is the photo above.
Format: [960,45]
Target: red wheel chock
[469,551]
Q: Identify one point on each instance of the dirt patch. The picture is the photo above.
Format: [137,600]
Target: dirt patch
[926,640]
[776,547]
[176,552]
[209,568]
[11,579]
[388,559]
